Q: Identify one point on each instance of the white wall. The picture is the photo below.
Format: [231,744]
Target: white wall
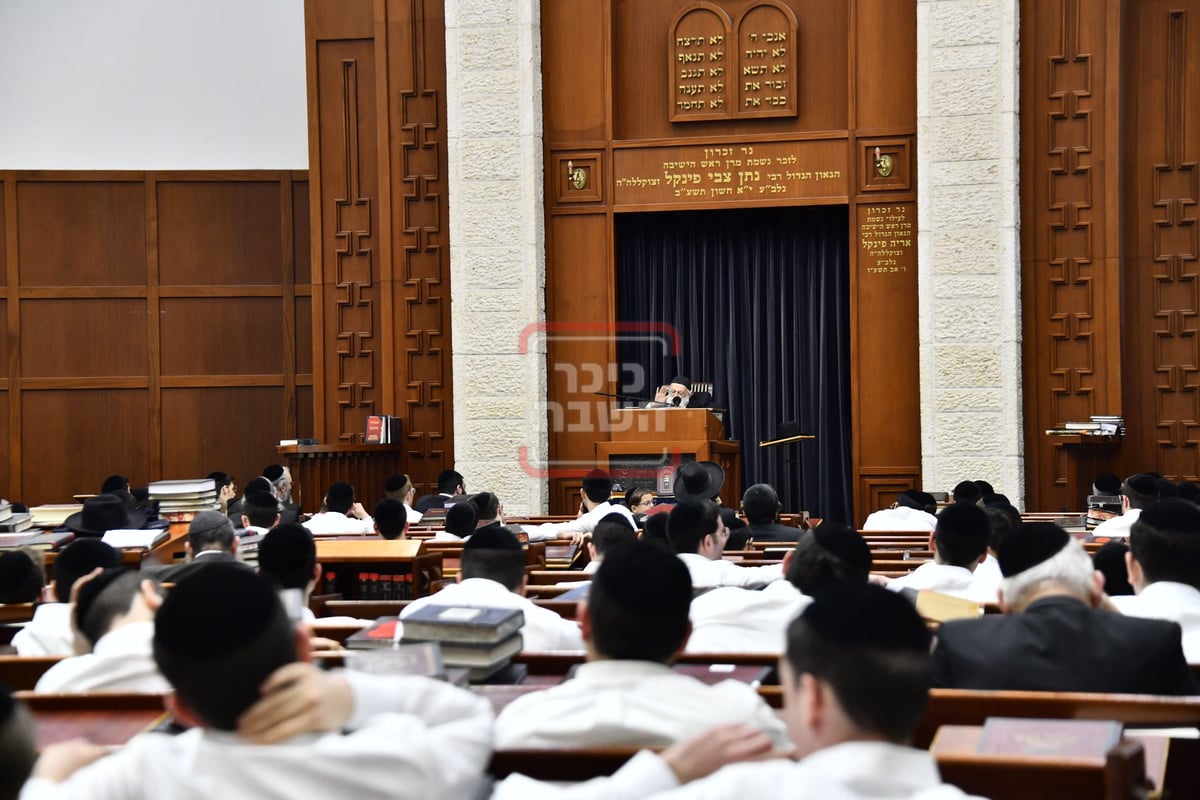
[152,84]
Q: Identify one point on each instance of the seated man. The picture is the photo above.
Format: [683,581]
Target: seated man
[913,511]
[114,613]
[959,544]
[966,492]
[1164,569]
[451,488]
[391,518]
[1053,636]
[280,478]
[986,579]
[489,511]
[400,487]
[761,506]
[222,639]
[635,622]
[611,532]
[18,745]
[493,576]
[260,513]
[595,505]
[855,682]
[461,519]
[698,536]
[210,539]
[733,620]
[342,514]
[678,394]
[1138,492]
[21,576]
[49,633]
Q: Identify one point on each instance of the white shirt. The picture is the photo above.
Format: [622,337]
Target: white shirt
[634,703]
[985,581]
[850,771]
[900,518]
[336,522]
[544,630]
[706,572]
[412,514]
[938,577]
[48,633]
[412,738]
[1172,601]
[1117,527]
[122,661]
[584,523]
[734,620]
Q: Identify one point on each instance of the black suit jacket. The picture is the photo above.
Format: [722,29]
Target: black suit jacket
[430,501]
[700,400]
[774,532]
[1060,644]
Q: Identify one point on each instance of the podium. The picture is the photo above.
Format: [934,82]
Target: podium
[642,440]
[364,466]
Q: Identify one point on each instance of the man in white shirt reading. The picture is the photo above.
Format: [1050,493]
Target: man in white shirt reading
[855,679]
[1164,569]
[342,514]
[635,622]
[223,640]
[698,536]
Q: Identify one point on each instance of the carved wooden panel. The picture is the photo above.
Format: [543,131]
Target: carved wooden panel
[1162,240]
[702,62]
[1070,273]
[380,242]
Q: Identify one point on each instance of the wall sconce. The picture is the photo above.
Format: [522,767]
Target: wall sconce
[576,176]
[883,164]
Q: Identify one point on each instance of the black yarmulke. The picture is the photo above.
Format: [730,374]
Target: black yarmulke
[286,549]
[273,472]
[1143,484]
[682,380]
[461,519]
[341,491]
[215,611]
[915,498]
[844,542]
[865,615]
[259,484]
[1028,545]
[645,577]
[1172,514]
[492,537]
[967,492]
[395,483]
[1107,483]
[261,500]
[91,591]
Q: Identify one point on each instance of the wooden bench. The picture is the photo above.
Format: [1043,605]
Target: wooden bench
[23,672]
[105,718]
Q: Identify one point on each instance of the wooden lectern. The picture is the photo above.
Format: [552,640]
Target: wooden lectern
[643,439]
[366,467]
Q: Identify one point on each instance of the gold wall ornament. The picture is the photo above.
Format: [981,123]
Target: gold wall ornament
[883,164]
[576,176]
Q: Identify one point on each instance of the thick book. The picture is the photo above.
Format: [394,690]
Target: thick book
[143,539]
[13,539]
[382,633]
[53,515]
[193,486]
[17,523]
[487,656]
[374,434]
[6,511]
[462,624]
[50,540]
[402,659]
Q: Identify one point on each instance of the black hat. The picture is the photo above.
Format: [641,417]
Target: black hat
[915,498]
[492,537]
[261,500]
[104,513]
[698,480]
[844,542]
[461,519]
[1028,545]
[861,614]
[682,380]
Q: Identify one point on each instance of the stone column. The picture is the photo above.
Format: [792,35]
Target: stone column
[497,246]
[969,243]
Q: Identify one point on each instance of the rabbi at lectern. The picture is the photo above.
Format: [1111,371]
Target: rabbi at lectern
[678,394]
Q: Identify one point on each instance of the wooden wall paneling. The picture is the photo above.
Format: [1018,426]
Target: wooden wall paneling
[575,71]
[883,75]
[6,472]
[416,266]
[154,327]
[88,232]
[640,69]
[231,235]
[79,337]
[1070,271]
[1161,189]
[234,429]
[3,232]
[12,330]
[299,289]
[72,438]
[222,336]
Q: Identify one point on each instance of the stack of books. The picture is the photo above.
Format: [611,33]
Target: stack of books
[17,522]
[180,501]
[481,640]
[1098,425]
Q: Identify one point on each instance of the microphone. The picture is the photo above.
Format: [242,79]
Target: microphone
[677,401]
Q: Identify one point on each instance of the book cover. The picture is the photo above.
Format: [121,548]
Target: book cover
[402,659]
[374,434]
[174,488]
[464,655]
[143,539]
[463,624]
[382,633]
[1059,738]
[50,540]
[944,607]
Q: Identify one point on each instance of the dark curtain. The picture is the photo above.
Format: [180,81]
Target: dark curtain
[760,300]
